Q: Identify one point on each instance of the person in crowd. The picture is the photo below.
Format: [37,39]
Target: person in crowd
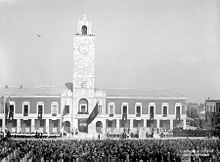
[91,150]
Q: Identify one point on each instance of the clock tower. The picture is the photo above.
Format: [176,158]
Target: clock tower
[84,99]
[83,55]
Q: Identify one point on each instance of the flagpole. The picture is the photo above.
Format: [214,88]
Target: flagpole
[3,122]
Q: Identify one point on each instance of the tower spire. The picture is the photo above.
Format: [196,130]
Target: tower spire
[84,14]
[84,25]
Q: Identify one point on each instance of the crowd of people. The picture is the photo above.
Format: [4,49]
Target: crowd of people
[89,150]
[195,133]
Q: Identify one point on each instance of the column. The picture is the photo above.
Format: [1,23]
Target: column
[47,126]
[117,125]
[158,123]
[131,124]
[18,125]
[145,123]
[3,123]
[171,123]
[32,125]
[104,126]
[184,123]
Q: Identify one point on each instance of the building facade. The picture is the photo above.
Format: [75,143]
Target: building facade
[212,113]
[66,108]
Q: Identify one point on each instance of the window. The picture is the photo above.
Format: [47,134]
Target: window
[12,108]
[41,123]
[0,122]
[28,123]
[218,120]
[55,123]
[207,107]
[111,107]
[84,30]
[178,111]
[54,109]
[25,110]
[83,108]
[109,123]
[151,112]
[40,109]
[164,111]
[214,109]
[14,123]
[138,107]
[11,111]
[210,108]
[124,108]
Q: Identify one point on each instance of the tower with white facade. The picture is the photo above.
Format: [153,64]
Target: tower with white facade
[83,72]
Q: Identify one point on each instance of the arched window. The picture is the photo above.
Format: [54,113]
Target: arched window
[84,30]
[83,106]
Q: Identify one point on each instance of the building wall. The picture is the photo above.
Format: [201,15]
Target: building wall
[131,105]
[33,103]
[212,113]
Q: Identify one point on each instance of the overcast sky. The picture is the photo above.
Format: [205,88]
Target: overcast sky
[150,44]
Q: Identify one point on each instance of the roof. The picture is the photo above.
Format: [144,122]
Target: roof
[143,93]
[212,100]
[32,91]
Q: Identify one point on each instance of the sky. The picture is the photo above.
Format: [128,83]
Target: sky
[144,44]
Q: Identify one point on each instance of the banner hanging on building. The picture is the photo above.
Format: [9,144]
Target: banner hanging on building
[7,109]
[93,115]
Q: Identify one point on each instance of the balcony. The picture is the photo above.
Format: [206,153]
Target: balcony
[54,115]
[138,115]
[111,115]
[164,115]
[83,113]
[151,116]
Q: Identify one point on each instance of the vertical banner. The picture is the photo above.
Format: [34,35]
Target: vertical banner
[94,113]
[40,112]
[7,109]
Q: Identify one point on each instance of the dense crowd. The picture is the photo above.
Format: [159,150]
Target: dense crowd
[168,150]
[195,133]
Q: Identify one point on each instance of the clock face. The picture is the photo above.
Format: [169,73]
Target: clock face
[83,49]
[83,84]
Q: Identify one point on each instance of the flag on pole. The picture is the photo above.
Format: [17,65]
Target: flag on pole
[93,115]
[7,109]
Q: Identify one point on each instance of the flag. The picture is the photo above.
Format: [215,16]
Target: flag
[39,116]
[124,116]
[11,114]
[151,116]
[40,112]
[7,109]
[65,111]
[93,115]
